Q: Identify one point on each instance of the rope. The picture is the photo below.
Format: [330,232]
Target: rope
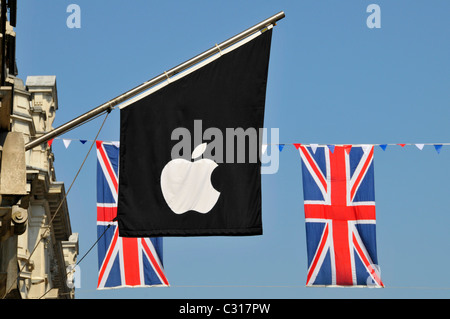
[89,250]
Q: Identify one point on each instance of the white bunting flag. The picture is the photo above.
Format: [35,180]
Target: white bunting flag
[66,142]
[420,146]
[366,148]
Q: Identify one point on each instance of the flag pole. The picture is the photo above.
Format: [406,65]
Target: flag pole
[108,106]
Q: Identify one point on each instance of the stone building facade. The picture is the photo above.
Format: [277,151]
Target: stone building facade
[37,246]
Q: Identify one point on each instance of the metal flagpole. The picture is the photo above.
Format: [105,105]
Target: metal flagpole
[106,107]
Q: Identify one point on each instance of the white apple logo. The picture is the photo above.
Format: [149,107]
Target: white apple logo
[187,185]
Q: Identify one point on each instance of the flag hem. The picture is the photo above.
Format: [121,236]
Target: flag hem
[256,231]
[138,286]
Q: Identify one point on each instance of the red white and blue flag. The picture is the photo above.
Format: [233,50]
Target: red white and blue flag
[339,202]
[123,262]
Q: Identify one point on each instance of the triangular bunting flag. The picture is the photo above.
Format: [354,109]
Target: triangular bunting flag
[383,146]
[366,148]
[420,146]
[66,143]
[297,145]
[438,147]
[49,142]
[280,146]
[263,148]
[314,147]
[347,148]
[83,141]
[331,147]
[402,145]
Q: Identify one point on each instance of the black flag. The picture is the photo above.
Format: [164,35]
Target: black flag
[189,152]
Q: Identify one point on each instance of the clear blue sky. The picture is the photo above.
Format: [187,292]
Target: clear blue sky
[332,80]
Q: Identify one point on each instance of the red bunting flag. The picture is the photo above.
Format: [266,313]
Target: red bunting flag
[347,148]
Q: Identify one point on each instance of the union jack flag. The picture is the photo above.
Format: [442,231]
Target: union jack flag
[122,262]
[339,202]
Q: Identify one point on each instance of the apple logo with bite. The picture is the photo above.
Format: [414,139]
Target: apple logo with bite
[186,185]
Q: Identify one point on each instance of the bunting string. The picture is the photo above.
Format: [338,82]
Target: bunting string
[420,146]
